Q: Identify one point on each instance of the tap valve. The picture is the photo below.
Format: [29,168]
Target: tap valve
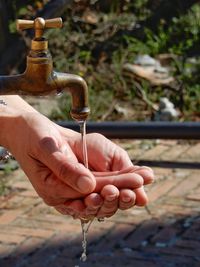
[39,25]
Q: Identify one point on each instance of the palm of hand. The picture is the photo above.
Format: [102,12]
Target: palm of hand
[52,159]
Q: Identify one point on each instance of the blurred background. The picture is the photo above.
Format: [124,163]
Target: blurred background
[141,61]
[140,58]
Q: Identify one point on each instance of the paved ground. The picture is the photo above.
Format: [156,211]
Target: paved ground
[34,235]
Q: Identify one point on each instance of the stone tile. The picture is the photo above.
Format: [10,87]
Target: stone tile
[35,235]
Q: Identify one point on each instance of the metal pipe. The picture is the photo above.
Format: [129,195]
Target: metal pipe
[168,164]
[141,130]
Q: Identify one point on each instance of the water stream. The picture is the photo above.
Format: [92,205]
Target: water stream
[84,224]
[82,125]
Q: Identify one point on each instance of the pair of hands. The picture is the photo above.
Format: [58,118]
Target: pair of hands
[51,157]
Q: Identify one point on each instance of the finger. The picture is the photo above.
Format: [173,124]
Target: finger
[127,199]
[58,191]
[100,151]
[113,158]
[129,169]
[52,190]
[109,158]
[65,211]
[110,194]
[69,171]
[121,159]
[73,208]
[93,200]
[93,203]
[126,180]
[146,173]
[79,210]
[141,197]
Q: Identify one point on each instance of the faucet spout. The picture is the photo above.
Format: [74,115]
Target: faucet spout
[55,82]
[78,89]
[39,77]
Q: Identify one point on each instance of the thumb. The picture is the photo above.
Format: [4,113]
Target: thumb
[64,164]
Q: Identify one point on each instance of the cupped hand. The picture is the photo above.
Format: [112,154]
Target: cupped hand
[52,159]
[47,159]
[119,184]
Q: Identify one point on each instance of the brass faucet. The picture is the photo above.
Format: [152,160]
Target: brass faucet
[39,77]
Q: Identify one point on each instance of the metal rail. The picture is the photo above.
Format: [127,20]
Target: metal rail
[141,130]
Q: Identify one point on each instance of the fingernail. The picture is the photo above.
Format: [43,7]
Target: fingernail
[126,199]
[84,184]
[111,197]
[98,201]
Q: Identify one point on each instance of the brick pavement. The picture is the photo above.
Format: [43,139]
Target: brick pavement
[35,235]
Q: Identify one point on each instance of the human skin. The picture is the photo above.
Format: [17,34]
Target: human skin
[51,158]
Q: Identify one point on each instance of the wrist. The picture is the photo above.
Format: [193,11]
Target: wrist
[8,120]
[10,114]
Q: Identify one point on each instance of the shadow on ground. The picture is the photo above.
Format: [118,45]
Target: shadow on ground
[169,241]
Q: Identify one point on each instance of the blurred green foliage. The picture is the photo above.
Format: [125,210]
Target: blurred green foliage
[26,9]
[98,37]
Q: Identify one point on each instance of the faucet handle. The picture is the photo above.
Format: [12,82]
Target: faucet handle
[39,24]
